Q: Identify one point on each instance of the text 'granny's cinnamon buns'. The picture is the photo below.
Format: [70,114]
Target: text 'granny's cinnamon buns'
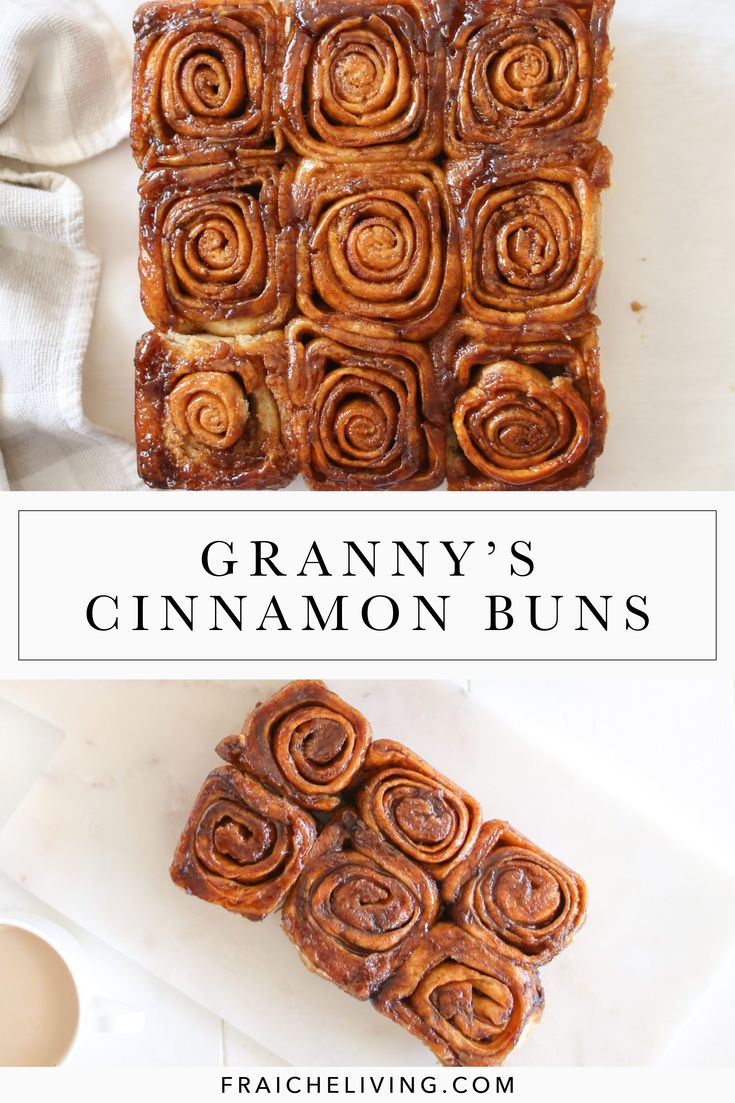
[369,176]
[391,886]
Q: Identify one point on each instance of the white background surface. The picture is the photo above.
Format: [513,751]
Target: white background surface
[665,748]
[667,235]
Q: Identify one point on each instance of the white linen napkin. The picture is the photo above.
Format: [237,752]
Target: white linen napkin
[64,96]
[64,81]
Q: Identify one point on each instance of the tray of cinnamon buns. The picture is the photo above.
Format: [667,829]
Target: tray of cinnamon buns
[388,879]
[369,242]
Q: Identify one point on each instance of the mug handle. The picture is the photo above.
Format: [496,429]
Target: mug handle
[111,1017]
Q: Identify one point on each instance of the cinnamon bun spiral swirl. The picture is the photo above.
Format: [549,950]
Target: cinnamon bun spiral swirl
[207,414]
[216,248]
[427,817]
[203,81]
[377,250]
[365,414]
[527,74]
[511,894]
[243,847]
[305,742]
[517,426]
[525,416]
[210,407]
[359,907]
[529,243]
[363,80]
[468,1003]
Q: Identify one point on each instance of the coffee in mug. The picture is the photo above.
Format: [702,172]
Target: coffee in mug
[39,1001]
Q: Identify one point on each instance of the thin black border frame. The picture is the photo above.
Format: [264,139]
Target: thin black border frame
[352,509]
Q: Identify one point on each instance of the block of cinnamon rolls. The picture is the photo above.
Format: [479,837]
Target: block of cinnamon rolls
[390,882]
[401,200]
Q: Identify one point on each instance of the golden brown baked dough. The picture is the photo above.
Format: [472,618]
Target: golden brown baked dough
[203,83]
[372,175]
[468,1003]
[511,894]
[529,231]
[243,847]
[216,247]
[363,79]
[406,898]
[523,416]
[359,908]
[364,413]
[526,73]
[377,248]
[305,742]
[206,416]
[422,813]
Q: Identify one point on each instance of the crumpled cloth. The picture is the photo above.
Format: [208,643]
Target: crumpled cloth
[64,96]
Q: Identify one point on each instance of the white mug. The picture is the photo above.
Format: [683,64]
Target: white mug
[90,1011]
